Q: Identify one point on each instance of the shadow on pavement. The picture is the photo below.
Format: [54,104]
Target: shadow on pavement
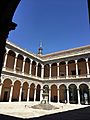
[79,114]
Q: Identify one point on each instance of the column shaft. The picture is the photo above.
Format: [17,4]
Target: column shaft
[5,60]
[50,71]
[42,72]
[67,95]
[87,66]
[76,68]
[49,95]
[66,69]
[1,84]
[35,94]
[28,93]
[11,91]
[57,69]
[20,94]
[78,96]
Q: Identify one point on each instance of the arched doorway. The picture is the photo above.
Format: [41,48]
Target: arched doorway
[73,96]
[16,91]
[27,66]
[53,93]
[39,70]
[19,63]
[33,70]
[62,69]
[62,94]
[24,91]
[54,70]
[38,93]
[10,60]
[46,71]
[32,90]
[6,90]
[84,94]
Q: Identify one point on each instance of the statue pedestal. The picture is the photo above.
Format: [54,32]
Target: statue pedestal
[45,98]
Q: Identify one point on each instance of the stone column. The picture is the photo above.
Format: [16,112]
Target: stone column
[41,92]
[36,69]
[28,93]
[42,72]
[87,66]
[58,93]
[35,94]
[23,66]
[50,71]
[11,92]
[66,69]
[76,68]
[58,70]
[20,94]
[78,95]
[5,60]
[15,62]
[30,67]
[67,95]
[1,84]
[49,95]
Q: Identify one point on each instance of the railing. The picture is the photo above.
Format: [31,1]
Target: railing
[47,78]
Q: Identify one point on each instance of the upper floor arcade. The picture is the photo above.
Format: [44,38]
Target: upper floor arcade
[18,61]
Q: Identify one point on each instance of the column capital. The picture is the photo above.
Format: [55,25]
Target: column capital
[7,49]
[57,64]
[24,58]
[12,85]
[86,59]
[50,65]
[76,61]
[42,66]
[66,62]
[31,61]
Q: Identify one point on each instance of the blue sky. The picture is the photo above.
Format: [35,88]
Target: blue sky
[59,24]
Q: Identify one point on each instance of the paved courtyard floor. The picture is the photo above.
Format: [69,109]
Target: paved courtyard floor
[24,109]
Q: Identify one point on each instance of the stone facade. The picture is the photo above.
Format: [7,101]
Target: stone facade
[65,75]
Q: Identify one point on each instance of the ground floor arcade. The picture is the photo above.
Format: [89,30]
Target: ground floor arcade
[62,93]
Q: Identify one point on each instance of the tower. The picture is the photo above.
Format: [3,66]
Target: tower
[40,49]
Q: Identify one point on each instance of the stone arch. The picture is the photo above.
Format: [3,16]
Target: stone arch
[39,70]
[73,95]
[82,66]
[27,66]
[33,70]
[54,70]
[54,93]
[62,69]
[84,93]
[46,71]
[38,92]
[10,60]
[62,93]
[32,91]
[5,94]
[19,63]
[16,90]
[24,91]
[71,68]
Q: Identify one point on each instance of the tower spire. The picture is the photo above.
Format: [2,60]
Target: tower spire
[40,49]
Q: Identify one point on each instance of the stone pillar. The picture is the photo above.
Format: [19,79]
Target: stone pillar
[23,66]
[87,66]
[58,94]
[35,94]
[41,92]
[5,60]
[67,95]
[76,68]
[49,95]
[66,69]
[30,67]
[42,72]
[15,62]
[78,96]
[11,92]
[28,93]
[50,71]
[1,84]
[58,70]
[36,69]
[20,94]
